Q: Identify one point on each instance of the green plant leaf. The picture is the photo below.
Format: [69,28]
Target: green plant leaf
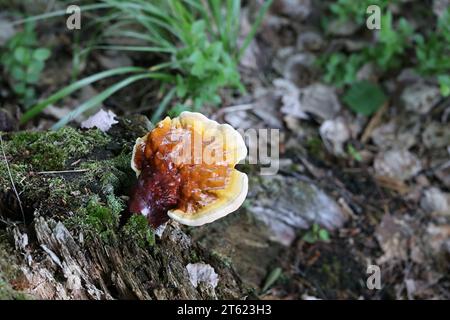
[309,237]
[41,54]
[29,94]
[177,109]
[198,27]
[19,88]
[248,39]
[18,73]
[273,276]
[444,84]
[364,98]
[181,87]
[96,100]
[354,153]
[33,78]
[136,48]
[34,71]
[35,110]
[315,228]
[324,235]
[196,39]
[21,54]
[163,105]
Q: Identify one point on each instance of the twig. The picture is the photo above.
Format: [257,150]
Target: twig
[240,107]
[12,180]
[236,108]
[63,171]
[376,119]
[8,223]
[393,184]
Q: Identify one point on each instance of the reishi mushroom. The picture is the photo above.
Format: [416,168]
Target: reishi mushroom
[185,169]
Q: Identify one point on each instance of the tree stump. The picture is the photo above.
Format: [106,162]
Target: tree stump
[62,236]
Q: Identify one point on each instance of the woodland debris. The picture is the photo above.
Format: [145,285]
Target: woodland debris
[420,98]
[334,134]
[436,201]
[397,163]
[200,272]
[287,205]
[316,99]
[102,120]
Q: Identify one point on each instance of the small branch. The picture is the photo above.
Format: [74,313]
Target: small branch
[240,107]
[236,108]
[12,180]
[9,224]
[63,171]
[374,122]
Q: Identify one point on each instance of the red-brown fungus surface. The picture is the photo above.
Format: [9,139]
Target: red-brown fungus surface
[172,178]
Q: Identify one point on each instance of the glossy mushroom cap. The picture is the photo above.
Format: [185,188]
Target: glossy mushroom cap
[196,157]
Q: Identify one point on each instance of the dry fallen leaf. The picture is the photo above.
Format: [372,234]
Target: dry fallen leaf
[102,120]
[397,163]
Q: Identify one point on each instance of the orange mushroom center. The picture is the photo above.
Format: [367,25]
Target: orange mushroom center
[174,172]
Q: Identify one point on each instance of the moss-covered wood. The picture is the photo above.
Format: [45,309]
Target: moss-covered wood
[71,241]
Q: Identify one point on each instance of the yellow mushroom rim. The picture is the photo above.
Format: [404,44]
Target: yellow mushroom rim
[204,154]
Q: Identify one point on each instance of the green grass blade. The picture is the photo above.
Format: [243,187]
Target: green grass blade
[34,111]
[153,14]
[181,13]
[114,32]
[215,8]
[135,48]
[232,23]
[198,10]
[163,105]
[137,5]
[272,278]
[161,66]
[196,6]
[248,39]
[96,100]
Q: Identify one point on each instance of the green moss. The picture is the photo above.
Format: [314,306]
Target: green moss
[47,151]
[104,173]
[123,161]
[59,190]
[115,204]
[9,272]
[137,229]
[97,218]
[315,147]
[45,156]
[109,173]
[100,218]
[7,293]
[333,273]
[18,173]
[226,260]
[194,256]
[85,193]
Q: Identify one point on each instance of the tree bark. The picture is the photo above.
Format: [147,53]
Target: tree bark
[58,255]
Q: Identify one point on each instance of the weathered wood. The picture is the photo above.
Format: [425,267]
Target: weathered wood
[59,266]
[60,256]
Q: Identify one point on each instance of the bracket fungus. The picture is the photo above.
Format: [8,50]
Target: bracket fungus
[185,169]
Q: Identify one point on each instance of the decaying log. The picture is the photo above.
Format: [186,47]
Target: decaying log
[64,250]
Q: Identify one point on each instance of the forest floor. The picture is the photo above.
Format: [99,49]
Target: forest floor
[352,190]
